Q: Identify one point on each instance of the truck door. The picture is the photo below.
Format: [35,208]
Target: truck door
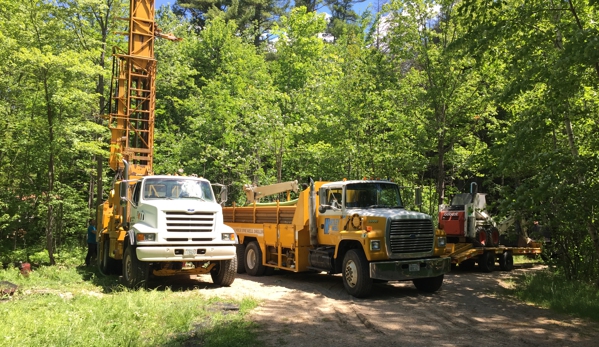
[135,203]
[329,220]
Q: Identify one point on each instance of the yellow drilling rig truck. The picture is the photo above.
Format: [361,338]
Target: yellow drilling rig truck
[150,225]
[356,228]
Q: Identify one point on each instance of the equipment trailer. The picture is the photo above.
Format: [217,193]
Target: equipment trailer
[465,255]
[472,237]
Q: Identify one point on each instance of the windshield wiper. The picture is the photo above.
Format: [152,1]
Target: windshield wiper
[192,197]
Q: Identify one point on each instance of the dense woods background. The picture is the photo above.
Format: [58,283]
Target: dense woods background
[432,94]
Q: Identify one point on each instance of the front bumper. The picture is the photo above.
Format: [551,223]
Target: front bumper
[404,270]
[185,253]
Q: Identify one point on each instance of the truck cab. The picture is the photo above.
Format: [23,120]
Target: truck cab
[173,225]
[369,217]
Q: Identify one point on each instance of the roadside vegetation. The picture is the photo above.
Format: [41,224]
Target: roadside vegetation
[72,305]
[552,289]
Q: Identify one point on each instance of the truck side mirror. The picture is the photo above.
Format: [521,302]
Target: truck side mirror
[418,196]
[223,195]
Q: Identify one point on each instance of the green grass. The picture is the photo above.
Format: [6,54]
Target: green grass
[550,290]
[74,306]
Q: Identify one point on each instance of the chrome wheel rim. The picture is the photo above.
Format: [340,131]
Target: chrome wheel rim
[351,273]
[250,259]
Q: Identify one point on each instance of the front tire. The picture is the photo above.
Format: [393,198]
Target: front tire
[253,260]
[135,272]
[223,274]
[240,254]
[356,275]
[428,285]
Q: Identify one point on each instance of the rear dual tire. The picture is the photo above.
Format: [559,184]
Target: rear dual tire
[253,260]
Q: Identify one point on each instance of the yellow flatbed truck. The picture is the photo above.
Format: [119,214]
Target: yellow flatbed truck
[357,228]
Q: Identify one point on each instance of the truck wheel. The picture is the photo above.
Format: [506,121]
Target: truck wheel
[107,265]
[356,275]
[486,262]
[240,254]
[468,265]
[135,272]
[506,261]
[428,285]
[223,274]
[253,260]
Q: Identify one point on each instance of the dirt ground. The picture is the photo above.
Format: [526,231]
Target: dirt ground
[314,310]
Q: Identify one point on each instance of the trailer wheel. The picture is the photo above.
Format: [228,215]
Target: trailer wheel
[253,260]
[223,273]
[486,262]
[467,265]
[135,272]
[356,275]
[506,261]
[428,285]
[240,254]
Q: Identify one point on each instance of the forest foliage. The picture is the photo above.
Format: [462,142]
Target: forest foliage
[433,94]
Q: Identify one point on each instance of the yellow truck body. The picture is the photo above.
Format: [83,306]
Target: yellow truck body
[339,233]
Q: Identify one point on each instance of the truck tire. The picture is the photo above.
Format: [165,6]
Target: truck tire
[428,285]
[107,265]
[356,274]
[240,254]
[506,261]
[467,265]
[486,262]
[135,272]
[253,260]
[223,274]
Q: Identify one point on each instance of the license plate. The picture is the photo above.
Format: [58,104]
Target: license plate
[189,251]
[414,267]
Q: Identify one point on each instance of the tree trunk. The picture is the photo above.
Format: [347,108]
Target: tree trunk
[441,153]
[50,195]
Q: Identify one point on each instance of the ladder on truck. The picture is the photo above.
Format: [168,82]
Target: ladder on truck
[133,92]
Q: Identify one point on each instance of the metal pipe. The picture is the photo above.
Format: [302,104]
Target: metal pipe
[312,215]
[124,188]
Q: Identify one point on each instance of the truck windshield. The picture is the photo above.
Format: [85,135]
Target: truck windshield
[177,188]
[373,195]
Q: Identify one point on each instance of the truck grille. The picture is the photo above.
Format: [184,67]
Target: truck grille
[196,222]
[408,236]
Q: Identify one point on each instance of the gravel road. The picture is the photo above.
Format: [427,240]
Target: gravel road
[469,310]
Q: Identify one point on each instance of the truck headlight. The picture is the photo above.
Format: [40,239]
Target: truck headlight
[375,245]
[441,241]
[146,237]
[228,237]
